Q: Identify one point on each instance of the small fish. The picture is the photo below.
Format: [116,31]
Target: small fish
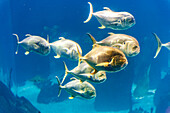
[66,48]
[83,72]
[35,44]
[128,44]
[37,79]
[110,19]
[104,58]
[77,88]
[160,44]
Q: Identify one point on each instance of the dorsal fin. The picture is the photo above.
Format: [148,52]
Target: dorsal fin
[110,33]
[106,8]
[28,35]
[48,38]
[92,38]
[61,38]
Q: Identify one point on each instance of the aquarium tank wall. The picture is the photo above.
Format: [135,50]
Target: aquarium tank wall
[80,56]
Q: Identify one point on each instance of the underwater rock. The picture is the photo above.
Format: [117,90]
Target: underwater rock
[14,104]
[162,95]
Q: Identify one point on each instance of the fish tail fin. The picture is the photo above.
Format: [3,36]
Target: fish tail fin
[66,72]
[159,45]
[90,14]
[80,56]
[59,84]
[17,43]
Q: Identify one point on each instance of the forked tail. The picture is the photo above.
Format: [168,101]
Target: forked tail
[66,72]
[90,14]
[59,84]
[17,43]
[159,45]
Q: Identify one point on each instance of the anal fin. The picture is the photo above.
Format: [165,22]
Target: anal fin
[27,52]
[102,27]
[71,97]
[57,56]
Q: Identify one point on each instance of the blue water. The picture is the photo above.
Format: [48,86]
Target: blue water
[65,18]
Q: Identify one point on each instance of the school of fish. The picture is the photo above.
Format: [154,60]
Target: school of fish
[108,55]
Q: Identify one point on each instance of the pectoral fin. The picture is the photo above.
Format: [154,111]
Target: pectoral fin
[58,56]
[102,27]
[105,64]
[35,46]
[27,52]
[79,91]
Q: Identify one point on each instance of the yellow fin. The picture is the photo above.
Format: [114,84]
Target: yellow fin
[90,14]
[105,64]
[92,38]
[80,57]
[58,56]
[27,52]
[72,97]
[102,27]
[159,45]
[94,72]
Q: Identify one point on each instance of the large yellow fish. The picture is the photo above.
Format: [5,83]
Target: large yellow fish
[110,19]
[104,58]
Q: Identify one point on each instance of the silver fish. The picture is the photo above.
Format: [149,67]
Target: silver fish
[110,19]
[128,44]
[160,44]
[35,44]
[77,88]
[66,48]
[83,72]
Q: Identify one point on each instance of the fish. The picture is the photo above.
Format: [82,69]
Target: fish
[77,88]
[83,72]
[37,79]
[110,19]
[34,44]
[66,48]
[128,44]
[141,88]
[160,44]
[105,58]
